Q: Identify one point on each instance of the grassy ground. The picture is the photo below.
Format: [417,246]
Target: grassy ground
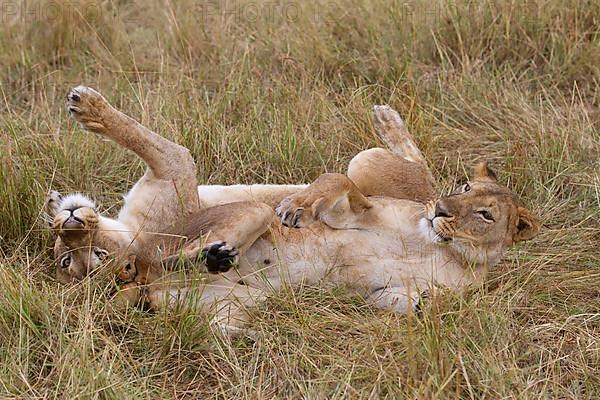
[281,92]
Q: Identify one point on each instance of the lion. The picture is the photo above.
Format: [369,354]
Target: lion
[166,193]
[379,231]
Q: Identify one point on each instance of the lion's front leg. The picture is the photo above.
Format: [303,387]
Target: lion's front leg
[167,161]
[213,237]
[216,257]
[332,199]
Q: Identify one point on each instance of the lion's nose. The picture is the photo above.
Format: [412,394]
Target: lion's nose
[441,210]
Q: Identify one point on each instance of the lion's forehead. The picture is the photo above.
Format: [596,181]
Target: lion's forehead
[485,195]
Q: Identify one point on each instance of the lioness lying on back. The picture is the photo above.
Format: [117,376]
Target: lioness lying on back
[387,248]
[165,194]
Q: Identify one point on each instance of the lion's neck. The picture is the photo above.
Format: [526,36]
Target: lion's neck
[116,233]
[475,264]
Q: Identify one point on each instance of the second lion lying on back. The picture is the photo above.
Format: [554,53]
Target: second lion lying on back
[372,231]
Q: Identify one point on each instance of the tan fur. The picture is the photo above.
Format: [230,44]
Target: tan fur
[166,192]
[387,249]
[391,128]
[165,195]
[372,232]
[336,209]
[401,173]
[188,237]
[216,195]
[394,176]
[154,276]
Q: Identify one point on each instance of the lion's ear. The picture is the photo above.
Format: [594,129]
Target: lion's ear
[527,225]
[484,172]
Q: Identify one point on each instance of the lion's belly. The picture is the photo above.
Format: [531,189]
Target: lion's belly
[360,260]
[291,256]
[367,274]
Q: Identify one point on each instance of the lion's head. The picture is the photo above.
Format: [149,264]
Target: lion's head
[84,238]
[481,219]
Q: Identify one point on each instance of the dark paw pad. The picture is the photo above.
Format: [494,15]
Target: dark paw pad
[219,257]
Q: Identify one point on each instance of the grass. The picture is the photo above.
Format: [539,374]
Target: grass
[281,95]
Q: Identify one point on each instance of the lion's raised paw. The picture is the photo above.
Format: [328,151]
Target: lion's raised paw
[87,107]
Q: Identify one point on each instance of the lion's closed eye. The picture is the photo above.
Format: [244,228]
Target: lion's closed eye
[486,215]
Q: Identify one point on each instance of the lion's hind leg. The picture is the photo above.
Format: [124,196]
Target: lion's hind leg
[379,172]
[400,172]
[391,128]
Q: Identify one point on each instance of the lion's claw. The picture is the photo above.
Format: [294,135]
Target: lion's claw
[289,214]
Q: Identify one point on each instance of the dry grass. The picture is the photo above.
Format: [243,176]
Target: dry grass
[283,96]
